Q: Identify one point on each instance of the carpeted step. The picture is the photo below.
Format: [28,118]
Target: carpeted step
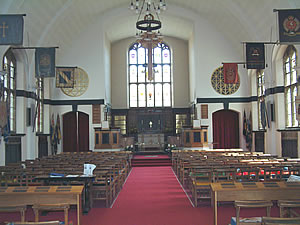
[151,160]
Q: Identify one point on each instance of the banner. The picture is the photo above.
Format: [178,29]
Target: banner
[230,73]
[298,108]
[45,62]
[255,55]
[11,29]
[65,77]
[289,26]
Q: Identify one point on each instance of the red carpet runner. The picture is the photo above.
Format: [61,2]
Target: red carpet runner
[151,196]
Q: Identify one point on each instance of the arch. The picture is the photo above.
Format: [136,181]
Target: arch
[226,129]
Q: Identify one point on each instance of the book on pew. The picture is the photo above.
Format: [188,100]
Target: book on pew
[56,175]
[252,220]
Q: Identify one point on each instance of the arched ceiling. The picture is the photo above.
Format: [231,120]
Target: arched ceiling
[56,22]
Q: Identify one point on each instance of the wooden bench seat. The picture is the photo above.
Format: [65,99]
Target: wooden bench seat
[286,206]
[51,207]
[15,208]
[280,221]
[251,204]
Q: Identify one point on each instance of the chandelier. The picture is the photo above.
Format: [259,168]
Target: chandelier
[148,27]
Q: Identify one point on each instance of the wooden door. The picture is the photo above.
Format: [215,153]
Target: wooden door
[83,132]
[75,132]
[226,129]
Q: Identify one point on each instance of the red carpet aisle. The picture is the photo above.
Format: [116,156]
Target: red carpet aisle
[153,196]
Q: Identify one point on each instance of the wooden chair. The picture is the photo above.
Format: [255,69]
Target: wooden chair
[51,207]
[285,208]
[15,208]
[251,204]
[35,223]
[102,188]
[280,221]
[200,180]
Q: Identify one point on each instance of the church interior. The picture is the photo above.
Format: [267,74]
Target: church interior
[153,112]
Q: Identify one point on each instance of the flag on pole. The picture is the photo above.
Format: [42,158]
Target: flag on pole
[249,132]
[244,124]
[45,62]
[255,55]
[58,133]
[11,29]
[230,73]
[289,25]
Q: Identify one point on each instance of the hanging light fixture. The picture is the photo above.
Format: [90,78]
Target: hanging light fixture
[148,27]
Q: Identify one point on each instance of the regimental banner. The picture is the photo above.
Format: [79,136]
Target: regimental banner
[289,26]
[45,62]
[3,114]
[11,29]
[230,73]
[298,108]
[255,55]
[65,77]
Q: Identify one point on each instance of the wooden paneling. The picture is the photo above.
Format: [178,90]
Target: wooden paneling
[96,114]
[204,111]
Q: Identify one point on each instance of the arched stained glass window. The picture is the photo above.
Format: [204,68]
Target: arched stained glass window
[9,87]
[143,90]
[261,90]
[290,85]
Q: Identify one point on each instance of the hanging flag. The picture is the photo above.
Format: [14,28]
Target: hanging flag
[11,29]
[255,55]
[249,133]
[3,114]
[58,133]
[289,26]
[263,113]
[298,108]
[65,77]
[244,124]
[230,73]
[6,129]
[45,62]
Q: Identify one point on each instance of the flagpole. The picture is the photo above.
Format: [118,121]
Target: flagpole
[32,47]
[235,62]
[261,42]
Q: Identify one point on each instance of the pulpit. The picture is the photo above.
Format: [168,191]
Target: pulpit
[107,138]
[194,137]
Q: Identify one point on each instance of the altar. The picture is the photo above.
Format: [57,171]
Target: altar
[152,141]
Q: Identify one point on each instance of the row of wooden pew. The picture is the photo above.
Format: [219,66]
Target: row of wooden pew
[196,170]
[110,173]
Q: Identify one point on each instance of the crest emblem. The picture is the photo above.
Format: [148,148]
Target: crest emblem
[291,25]
[230,73]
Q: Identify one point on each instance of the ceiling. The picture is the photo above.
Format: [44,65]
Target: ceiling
[56,22]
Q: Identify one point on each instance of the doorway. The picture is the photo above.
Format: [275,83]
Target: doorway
[226,129]
[75,132]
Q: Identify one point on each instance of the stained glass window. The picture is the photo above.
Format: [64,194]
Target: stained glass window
[260,95]
[144,91]
[39,114]
[9,80]
[290,85]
